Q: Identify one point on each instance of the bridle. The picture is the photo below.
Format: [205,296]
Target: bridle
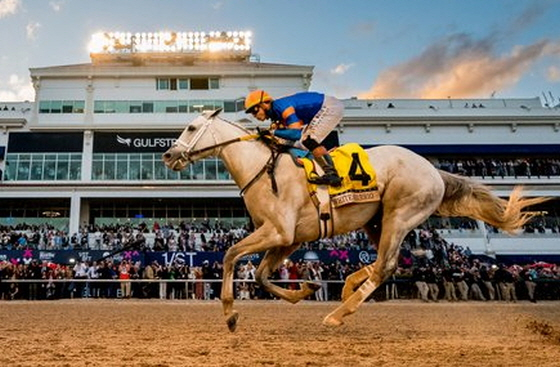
[189,152]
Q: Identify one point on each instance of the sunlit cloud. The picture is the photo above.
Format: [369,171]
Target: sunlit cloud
[32,29]
[56,5]
[458,67]
[553,74]
[8,7]
[17,89]
[341,69]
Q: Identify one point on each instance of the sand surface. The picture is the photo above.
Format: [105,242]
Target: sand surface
[273,333]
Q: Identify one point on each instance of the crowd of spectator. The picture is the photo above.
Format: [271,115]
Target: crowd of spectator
[491,167]
[429,268]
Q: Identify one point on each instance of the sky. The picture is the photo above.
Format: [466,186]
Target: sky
[359,48]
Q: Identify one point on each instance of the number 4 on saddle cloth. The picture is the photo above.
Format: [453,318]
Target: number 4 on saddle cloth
[359,182]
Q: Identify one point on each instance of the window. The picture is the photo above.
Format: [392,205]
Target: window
[43,166]
[162,84]
[135,107]
[61,106]
[199,83]
[214,83]
[170,106]
[183,84]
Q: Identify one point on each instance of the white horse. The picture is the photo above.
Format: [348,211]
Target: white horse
[410,187]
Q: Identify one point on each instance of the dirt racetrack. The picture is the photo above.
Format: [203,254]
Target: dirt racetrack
[273,333]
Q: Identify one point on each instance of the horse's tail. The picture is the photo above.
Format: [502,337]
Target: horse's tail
[467,198]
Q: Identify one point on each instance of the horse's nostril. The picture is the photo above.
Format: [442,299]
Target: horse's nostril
[166,155]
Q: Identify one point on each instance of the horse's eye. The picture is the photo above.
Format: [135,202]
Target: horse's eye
[191,128]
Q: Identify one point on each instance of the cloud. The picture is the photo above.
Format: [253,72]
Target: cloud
[17,89]
[528,17]
[31,30]
[341,69]
[8,7]
[459,66]
[56,5]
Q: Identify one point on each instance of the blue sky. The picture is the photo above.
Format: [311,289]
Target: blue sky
[364,48]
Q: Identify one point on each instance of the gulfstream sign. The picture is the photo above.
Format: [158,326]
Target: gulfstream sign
[146,143]
[124,142]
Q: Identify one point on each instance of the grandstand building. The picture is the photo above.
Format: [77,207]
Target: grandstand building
[88,149]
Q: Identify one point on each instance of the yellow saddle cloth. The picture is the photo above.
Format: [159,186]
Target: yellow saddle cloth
[359,182]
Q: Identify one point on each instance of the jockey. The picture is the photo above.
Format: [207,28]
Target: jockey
[306,118]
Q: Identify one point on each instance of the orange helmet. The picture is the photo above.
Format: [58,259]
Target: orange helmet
[256,97]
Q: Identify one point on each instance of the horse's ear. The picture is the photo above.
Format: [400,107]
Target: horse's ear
[215,113]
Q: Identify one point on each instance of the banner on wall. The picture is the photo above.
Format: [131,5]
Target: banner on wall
[180,257]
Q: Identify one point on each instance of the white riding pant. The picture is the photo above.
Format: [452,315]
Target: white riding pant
[324,121]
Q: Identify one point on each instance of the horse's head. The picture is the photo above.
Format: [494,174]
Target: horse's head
[197,141]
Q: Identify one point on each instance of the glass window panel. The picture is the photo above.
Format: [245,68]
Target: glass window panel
[62,167]
[10,172]
[223,173]
[148,107]
[183,106]
[240,105]
[56,106]
[75,171]
[135,107]
[110,107]
[214,83]
[122,167]
[183,84]
[160,171]
[67,106]
[49,168]
[109,167]
[121,106]
[210,169]
[198,170]
[229,106]
[45,107]
[171,106]
[99,107]
[36,167]
[79,106]
[187,174]
[162,84]
[97,167]
[134,167]
[160,106]
[147,172]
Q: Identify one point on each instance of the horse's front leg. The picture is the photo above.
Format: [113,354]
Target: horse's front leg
[263,239]
[269,263]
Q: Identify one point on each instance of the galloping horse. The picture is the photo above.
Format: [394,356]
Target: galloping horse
[410,187]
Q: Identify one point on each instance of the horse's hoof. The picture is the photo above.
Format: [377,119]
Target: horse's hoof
[332,321]
[232,321]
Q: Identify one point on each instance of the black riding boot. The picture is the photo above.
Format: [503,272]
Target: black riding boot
[330,177]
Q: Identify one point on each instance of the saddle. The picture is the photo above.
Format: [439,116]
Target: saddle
[359,183]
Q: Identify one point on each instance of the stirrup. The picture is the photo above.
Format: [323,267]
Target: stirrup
[328,179]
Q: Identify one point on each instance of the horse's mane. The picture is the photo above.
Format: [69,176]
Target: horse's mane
[237,125]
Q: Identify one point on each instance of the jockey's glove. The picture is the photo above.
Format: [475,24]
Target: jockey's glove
[264,134]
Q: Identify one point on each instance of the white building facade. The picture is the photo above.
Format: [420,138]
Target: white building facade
[88,149]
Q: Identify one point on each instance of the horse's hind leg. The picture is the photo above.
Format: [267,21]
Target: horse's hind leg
[396,225]
[354,280]
[269,263]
